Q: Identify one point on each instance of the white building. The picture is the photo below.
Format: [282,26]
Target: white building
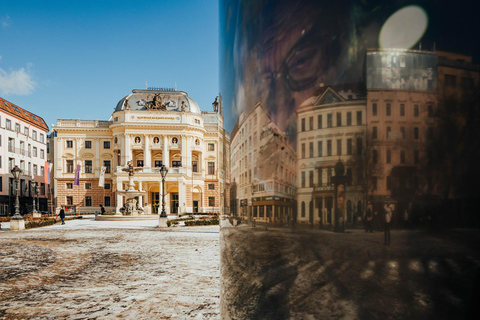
[149,128]
[263,164]
[331,126]
[22,143]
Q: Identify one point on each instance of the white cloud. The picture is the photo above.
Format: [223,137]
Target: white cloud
[17,82]
[6,21]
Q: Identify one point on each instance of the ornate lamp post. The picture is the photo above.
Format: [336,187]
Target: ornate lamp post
[37,191]
[339,181]
[162,222]
[33,187]
[17,222]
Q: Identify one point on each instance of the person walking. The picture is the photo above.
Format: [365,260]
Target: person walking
[388,219]
[62,215]
[102,210]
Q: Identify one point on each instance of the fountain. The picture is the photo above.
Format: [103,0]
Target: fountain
[131,207]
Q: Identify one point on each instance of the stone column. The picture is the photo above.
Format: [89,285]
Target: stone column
[165,156]
[184,152]
[127,152]
[181,195]
[147,156]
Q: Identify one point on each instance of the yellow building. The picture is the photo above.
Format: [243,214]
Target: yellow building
[150,128]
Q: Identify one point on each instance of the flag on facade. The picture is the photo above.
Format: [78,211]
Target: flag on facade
[101,180]
[76,182]
[46,172]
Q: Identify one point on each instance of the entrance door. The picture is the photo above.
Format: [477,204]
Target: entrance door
[155,202]
[174,202]
[195,206]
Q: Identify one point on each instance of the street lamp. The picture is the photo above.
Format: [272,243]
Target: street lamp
[33,187]
[250,217]
[17,222]
[163,215]
[37,189]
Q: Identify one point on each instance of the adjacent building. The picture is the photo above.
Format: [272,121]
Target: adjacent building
[263,169]
[22,143]
[331,126]
[148,128]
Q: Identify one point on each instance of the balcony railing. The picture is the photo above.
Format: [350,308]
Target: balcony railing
[155,170]
[23,152]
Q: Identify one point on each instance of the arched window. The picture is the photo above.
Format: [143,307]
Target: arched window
[303,209]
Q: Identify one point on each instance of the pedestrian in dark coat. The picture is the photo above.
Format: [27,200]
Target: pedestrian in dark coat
[102,210]
[62,215]
[388,219]
[368,219]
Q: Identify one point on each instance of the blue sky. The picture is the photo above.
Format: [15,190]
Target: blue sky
[77,59]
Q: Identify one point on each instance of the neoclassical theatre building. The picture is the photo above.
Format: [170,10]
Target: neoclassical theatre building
[150,128]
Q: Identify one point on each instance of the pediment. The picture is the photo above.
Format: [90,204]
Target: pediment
[87,155]
[68,155]
[328,97]
[107,156]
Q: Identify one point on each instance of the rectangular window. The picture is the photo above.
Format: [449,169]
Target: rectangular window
[157,163]
[42,171]
[416,133]
[35,169]
[374,156]
[34,135]
[430,110]
[359,118]
[88,185]
[310,178]
[69,166]
[17,127]
[359,146]
[329,120]
[402,110]
[42,154]
[211,201]
[349,146]
[211,168]
[450,80]
[69,185]
[402,156]
[106,144]
[389,130]
[88,166]
[416,156]
[211,147]
[349,118]
[107,186]
[310,120]
[88,144]
[69,143]
[388,109]
[88,201]
[320,148]
[34,151]
[106,202]
[42,138]
[69,201]
[8,124]
[374,109]
[303,124]
[389,156]
[339,119]
[107,165]
[303,150]
[374,133]
[25,131]
[402,130]
[194,166]
[339,147]
[211,186]
[320,124]
[139,163]
[303,179]
[176,163]
[416,110]
[311,149]
[329,147]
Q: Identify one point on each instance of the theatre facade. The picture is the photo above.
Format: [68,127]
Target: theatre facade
[149,128]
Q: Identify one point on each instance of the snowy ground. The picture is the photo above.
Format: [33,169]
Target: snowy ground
[89,269]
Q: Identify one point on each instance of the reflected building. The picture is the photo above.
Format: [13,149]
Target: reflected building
[331,127]
[149,128]
[263,164]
